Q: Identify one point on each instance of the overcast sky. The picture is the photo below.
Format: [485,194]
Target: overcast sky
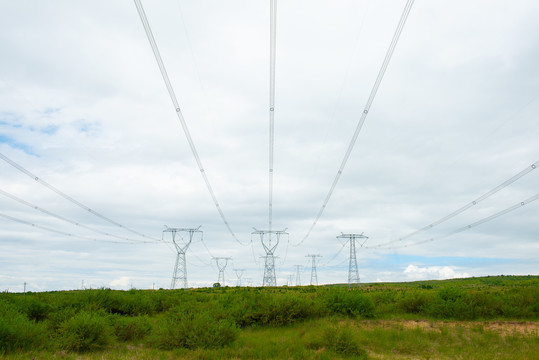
[83,107]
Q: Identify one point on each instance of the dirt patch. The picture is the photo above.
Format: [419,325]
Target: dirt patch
[501,327]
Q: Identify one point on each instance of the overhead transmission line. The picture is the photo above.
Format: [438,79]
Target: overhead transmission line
[273,31]
[168,84]
[486,195]
[366,109]
[464,228]
[35,207]
[63,232]
[69,198]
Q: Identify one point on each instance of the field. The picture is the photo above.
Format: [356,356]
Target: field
[476,318]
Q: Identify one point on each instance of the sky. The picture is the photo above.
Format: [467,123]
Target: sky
[84,108]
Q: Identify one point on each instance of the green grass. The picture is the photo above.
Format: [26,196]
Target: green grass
[318,339]
[419,320]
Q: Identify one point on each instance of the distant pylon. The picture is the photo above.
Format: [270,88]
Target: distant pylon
[353,273]
[314,276]
[298,278]
[239,275]
[221,266]
[269,244]
[179,277]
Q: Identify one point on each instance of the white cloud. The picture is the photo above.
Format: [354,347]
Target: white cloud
[414,272]
[121,282]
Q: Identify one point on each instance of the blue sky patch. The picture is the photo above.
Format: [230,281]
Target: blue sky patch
[50,129]
[16,145]
[10,119]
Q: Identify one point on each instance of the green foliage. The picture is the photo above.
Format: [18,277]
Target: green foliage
[339,339]
[414,302]
[131,328]
[86,331]
[211,318]
[192,330]
[17,332]
[35,309]
[350,303]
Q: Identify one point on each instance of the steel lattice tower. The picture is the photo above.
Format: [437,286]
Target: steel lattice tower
[179,277]
[298,278]
[269,243]
[353,273]
[314,276]
[221,267]
[239,274]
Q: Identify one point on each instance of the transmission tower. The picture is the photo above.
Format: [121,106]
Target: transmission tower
[239,274]
[298,279]
[314,276]
[353,273]
[221,262]
[290,277]
[270,240]
[179,277]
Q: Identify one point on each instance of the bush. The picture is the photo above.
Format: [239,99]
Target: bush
[453,303]
[131,328]
[85,331]
[192,330]
[35,309]
[285,309]
[341,341]
[414,302]
[17,332]
[350,303]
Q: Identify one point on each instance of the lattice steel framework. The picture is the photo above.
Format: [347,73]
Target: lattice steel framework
[314,276]
[353,273]
[298,278]
[239,275]
[269,239]
[179,277]
[221,263]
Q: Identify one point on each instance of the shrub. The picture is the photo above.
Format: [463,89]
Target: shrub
[193,330]
[350,302]
[85,331]
[35,309]
[285,309]
[453,303]
[341,341]
[17,332]
[413,302]
[131,328]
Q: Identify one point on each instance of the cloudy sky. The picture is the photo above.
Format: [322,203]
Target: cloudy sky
[83,107]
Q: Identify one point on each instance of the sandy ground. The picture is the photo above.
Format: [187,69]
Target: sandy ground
[501,327]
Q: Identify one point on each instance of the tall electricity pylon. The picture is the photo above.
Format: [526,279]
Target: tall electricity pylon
[314,276]
[298,279]
[353,273]
[239,274]
[221,266]
[179,277]
[269,243]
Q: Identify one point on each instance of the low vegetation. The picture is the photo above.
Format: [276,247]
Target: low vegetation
[489,317]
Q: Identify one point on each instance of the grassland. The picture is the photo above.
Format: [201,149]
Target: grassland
[476,318]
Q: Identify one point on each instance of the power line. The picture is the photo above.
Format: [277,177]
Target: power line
[366,109]
[69,198]
[166,79]
[13,197]
[273,31]
[486,195]
[464,228]
[63,232]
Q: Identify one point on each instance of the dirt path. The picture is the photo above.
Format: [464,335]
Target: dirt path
[500,327]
